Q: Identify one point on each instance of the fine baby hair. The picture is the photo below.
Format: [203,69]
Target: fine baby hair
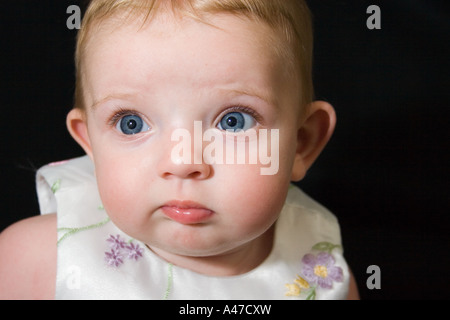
[290,18]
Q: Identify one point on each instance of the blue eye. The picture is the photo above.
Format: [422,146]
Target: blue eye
[235,121]
[132,124]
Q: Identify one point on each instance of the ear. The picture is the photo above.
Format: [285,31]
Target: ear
[312,136]
[77,125]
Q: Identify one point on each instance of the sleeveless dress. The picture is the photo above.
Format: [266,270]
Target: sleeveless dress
[96,260]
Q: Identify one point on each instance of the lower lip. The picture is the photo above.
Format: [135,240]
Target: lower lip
[187,215]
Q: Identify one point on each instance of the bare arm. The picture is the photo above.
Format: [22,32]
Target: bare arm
[28,263]
[353,293]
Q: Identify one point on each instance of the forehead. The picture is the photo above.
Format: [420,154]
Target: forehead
[226,49]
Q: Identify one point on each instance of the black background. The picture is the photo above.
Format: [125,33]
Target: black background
[384,173]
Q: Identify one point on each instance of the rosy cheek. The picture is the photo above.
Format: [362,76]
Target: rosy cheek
[114,189]
[261,196]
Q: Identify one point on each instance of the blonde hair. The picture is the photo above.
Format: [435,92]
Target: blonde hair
[290,17]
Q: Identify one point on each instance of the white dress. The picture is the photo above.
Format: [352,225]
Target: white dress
[96,260]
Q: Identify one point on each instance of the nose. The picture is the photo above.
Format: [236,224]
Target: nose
[195,171]
[181,161]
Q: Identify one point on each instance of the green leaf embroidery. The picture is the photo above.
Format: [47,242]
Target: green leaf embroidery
[312,295]
[56,185]
[325,246]
[72,231]
[169,282]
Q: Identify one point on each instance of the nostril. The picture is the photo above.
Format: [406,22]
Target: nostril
[186,171]
[194,175]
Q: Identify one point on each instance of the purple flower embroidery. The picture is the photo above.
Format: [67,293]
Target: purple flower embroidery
[115,242]
[134,251]
[120,249]
[321,270]
[113,258]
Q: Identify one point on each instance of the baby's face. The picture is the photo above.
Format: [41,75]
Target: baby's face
[142,84]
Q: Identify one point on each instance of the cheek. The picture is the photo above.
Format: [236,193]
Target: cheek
[118,186]
[255,200]
[246,185]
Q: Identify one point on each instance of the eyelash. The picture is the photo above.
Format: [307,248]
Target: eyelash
[244,109]
[120,113]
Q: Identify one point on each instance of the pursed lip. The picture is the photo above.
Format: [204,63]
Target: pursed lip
[186,212]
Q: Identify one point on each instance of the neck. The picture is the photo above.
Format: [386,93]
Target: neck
[235,262]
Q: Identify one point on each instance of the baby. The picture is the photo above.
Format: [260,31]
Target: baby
[152,212]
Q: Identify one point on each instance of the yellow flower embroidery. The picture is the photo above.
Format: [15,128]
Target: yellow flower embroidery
[294,289]
[302,283]
[321,271]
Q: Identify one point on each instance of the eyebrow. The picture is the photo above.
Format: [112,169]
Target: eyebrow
[266,98]
[124,96]
[113,96]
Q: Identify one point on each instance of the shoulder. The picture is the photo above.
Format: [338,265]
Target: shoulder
[28,251]
[316,222]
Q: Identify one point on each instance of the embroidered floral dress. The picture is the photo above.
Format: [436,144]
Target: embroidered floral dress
[96,260]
